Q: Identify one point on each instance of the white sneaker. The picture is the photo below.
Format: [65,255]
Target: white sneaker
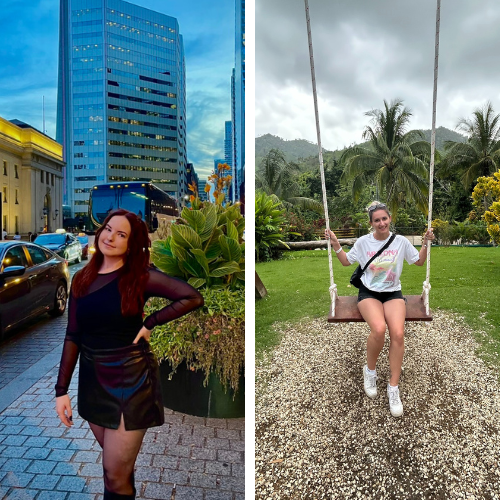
[370,383]
[395,404]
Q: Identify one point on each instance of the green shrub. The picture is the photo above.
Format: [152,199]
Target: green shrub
[211,339]
[270,224]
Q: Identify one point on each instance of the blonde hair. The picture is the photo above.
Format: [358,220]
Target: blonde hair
[376,205]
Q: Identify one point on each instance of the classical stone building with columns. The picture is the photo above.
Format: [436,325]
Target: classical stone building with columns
[31,178]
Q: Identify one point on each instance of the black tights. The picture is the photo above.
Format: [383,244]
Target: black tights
[119,453]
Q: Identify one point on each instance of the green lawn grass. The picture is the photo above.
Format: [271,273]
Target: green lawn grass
[465,280]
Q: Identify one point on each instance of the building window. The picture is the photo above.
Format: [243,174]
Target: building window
[16,173]
[4,167]
[5,222]
[5,195]
[16,224]
[46,178]
[17,193]
[41,176]
[52,177]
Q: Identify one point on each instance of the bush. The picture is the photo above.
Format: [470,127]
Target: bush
[464,233]
[270,226]
[301,228]
[211,339]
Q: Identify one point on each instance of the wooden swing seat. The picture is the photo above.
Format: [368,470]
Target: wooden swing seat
[346,310]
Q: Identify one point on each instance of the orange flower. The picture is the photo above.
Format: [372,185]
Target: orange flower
[192,198]
[207,188]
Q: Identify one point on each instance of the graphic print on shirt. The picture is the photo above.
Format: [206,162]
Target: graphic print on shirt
[382,270]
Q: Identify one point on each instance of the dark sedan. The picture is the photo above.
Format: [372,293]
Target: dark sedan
[33,281]
[64,244]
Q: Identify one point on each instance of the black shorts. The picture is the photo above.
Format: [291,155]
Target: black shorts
[366,293]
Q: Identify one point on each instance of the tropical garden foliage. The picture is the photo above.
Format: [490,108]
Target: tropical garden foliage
[205,247]
[486,197]
[391,166]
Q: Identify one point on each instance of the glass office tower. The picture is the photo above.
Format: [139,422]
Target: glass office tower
[239,98]
[121,110]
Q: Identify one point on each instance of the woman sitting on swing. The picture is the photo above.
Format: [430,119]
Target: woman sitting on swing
[380,300]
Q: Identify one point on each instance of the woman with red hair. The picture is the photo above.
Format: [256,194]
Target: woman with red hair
[118,390]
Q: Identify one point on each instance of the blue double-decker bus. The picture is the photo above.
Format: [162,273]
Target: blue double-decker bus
[145,199]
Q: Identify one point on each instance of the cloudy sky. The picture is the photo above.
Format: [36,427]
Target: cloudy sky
[365,52]
[29,52]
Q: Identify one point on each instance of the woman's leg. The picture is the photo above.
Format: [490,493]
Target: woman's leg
[372,311]
[120,449]
[395,313]
[98,432]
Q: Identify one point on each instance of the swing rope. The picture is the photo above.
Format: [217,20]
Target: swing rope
[333,286]
[426,284]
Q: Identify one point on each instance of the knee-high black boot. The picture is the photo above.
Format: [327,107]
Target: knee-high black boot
[110,495]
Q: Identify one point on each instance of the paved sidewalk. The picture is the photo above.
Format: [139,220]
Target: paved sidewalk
[187,458]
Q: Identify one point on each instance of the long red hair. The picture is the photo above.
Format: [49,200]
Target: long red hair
[134,273]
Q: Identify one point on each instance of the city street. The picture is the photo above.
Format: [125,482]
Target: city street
[188,457]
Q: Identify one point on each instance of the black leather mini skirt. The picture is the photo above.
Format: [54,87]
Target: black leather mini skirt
[120,381]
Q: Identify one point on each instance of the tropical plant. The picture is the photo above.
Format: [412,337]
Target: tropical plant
[277,176]
[395,160]
[487,194]
[269,225]
[480,154]
[206,246]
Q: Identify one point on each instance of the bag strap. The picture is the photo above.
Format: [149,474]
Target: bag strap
[391,239]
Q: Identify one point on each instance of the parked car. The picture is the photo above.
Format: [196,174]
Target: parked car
[33,281]
[64,244]
[84,241]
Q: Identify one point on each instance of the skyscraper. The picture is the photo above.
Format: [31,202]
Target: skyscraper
[121,110]
[238,99]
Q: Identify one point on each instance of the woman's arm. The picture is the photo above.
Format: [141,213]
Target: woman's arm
[337,247]
[184,298]
[71,350]
[69,358]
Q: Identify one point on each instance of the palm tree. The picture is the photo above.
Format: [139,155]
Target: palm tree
[277,176]
[395,160]
[479,155]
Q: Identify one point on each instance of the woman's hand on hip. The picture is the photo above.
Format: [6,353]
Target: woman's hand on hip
[64,412]
[144,333]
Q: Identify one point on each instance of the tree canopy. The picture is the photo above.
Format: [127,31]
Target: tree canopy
[395,161]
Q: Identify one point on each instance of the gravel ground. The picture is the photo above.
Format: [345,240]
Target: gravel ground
[318,435]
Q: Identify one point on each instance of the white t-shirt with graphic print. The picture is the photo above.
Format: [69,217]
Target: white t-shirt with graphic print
[382,275]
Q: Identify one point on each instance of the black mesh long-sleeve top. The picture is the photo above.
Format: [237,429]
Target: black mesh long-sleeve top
[96,321]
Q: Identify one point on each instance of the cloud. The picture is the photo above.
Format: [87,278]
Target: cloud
[365,52]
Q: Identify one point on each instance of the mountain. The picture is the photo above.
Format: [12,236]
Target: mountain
[444,134]
[295,149]
[300,148]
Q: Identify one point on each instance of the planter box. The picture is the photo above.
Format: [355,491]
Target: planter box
[186,393]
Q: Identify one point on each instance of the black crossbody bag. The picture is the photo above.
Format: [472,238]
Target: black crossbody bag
[358,272]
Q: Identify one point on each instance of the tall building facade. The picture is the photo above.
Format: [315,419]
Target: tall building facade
[238,89]
[121,109]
